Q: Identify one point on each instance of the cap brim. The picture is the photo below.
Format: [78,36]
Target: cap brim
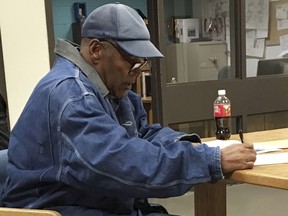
[140,48]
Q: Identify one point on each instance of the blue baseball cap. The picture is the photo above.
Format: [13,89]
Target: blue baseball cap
[123,25]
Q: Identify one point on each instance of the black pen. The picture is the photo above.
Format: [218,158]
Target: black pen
[241,136]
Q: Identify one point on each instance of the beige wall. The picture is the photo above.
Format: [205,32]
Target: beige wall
[25,50]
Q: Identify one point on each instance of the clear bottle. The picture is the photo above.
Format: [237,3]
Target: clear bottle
[222,116]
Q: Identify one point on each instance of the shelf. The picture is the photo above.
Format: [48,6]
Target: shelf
[147,100]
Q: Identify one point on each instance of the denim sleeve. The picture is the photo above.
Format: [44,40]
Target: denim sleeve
[215,167]
[97,153]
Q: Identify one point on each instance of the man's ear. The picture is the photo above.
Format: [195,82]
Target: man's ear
[94,49]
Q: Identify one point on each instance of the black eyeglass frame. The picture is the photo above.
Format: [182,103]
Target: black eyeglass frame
[134,66]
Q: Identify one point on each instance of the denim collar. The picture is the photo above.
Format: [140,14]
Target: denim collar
[70,51]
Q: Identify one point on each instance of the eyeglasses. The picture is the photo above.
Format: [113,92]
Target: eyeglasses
[134,66]
[139,65]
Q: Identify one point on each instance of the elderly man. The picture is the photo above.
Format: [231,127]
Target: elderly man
[82,145]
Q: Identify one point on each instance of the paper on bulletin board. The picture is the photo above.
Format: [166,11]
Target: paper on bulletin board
[282,16]
[255,46]
[257,19]
[274,33]
[257,14]
[284,45]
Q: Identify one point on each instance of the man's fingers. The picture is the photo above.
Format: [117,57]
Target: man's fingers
[248,145]
[249,164]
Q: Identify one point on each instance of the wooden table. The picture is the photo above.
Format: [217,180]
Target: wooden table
[210,199]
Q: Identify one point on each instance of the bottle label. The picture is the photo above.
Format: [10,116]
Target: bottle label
[222,110]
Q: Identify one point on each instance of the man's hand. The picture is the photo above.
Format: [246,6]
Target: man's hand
[237,156]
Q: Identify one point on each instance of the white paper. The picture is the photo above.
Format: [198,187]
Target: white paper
[257,14]
[283,54]
[275,146]
[281,13]
[274,143]
[282,16]
[282,24]
[284,42]
[259,148]
[254,46]
[262,33]
[221,143]
[271,158]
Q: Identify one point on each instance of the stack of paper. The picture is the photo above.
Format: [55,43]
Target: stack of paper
[261,147]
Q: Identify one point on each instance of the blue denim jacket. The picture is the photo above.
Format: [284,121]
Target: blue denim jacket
[74,145]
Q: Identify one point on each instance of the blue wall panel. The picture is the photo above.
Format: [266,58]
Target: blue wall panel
[63,15]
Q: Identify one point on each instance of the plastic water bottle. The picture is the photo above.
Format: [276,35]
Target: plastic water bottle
[222,116]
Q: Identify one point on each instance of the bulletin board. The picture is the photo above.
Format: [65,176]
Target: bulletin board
[273,33]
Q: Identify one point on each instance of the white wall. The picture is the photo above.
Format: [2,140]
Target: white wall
[25,50]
